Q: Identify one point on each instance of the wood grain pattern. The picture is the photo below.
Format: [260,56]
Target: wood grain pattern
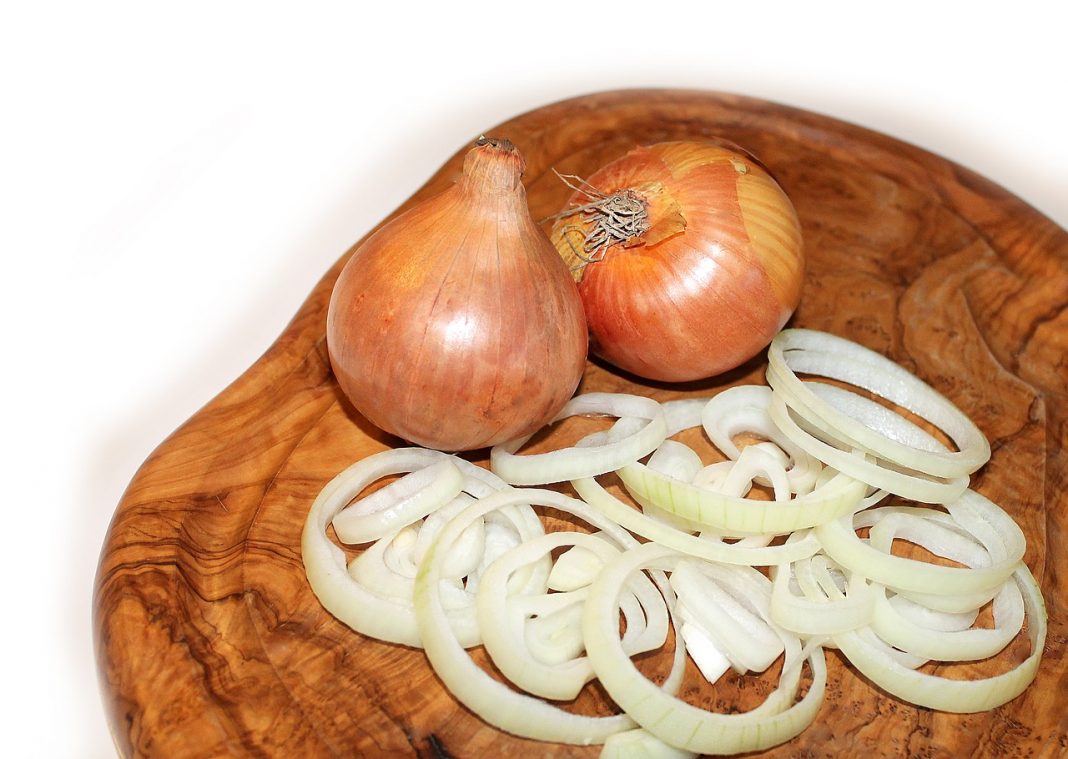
[210,642]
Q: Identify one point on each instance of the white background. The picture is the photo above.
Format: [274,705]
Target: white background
[174,178]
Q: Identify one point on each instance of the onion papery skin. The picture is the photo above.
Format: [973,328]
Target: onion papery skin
[717,274]
[456,325]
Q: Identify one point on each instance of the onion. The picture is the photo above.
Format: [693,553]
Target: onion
[688,257]
[456,325]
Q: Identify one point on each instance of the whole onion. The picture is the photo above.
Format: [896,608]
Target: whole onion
[688,257]
[456,325]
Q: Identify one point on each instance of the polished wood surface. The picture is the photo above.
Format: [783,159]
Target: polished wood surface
[210,642]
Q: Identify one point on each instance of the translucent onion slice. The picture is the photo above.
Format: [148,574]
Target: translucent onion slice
[679,461]
[397,552]
[950,645]
[1002,539]
[732,515]
[862,648]
[759,462]
[342,595]
[675,459]
[401,502]
[382,572]
[369,596]
[588,460]
[540,654]
[575,568]
[664,534]
[822,608]
[932,619]
[876,417]
[745,409]
[704,651]
[493,701]
[640,744]
[762,462]
[684,413]
[729,611]
[818,353]
[674,721]
[914,485]
[469,550]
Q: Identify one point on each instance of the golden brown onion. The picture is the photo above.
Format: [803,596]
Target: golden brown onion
[456,325]
[688,257]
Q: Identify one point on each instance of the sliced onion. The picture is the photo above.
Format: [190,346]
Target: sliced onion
[535,641]
[745,409]
[684,413]
[585,461]
[462,558]
[730,611]
[759,462]
[822,608]
[762,462]
[493,701]
[732,515]
[677,460]
[325,563]
[961,696]
[914,485]
[401,502]
[664,534]
[874,561]
[674,721]
[386,568]
[950,645]
[818,353]
[640,744]
[369,596]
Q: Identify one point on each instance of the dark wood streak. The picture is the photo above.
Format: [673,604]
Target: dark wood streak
[210,643]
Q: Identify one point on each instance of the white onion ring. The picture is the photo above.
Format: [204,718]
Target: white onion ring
[673,721]
[587,461]
[821,609]
[888,615]
[382,608]
[745,409]
[1005,543]
[493,701]
[730,606]
[862,649]
[826,355]
[738,516]
[325,563]
[640,744]
[664,534]
[401,502]
[548,671]
[950,645]
[915,485]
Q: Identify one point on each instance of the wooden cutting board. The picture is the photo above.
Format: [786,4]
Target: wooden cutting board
[210,642]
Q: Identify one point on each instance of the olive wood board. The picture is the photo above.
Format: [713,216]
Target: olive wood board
[210,642]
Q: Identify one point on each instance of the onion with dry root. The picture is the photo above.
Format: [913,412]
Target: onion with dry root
[456,325]
[688,257]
